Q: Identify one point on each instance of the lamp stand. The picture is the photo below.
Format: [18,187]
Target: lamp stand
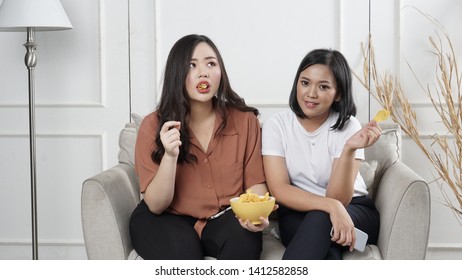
[30,60]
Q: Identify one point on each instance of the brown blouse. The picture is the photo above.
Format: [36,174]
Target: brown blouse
[232,163]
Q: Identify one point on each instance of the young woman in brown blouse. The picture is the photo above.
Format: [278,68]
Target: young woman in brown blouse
[199,149]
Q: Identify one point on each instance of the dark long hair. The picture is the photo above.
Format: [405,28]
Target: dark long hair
[340,69]
[174,102]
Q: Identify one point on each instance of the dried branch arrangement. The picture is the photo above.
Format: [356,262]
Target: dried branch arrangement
[445,152]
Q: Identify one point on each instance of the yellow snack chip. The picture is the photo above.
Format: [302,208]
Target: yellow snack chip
[248,197]
[382,115]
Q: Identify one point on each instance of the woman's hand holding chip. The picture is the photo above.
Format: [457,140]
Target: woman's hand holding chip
[170,137]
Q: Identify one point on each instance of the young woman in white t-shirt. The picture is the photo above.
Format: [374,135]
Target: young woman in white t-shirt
[311,154]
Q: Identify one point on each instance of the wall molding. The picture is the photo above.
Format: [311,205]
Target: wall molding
[55,135]
[428,135]
[444,251]
[50,250]
[46,242]
[54,105]
[101,136]
[267,104]
[102,48]
[445,246]
[426,103]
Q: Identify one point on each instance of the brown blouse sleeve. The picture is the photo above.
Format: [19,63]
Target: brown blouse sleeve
[145,145]
[253,165]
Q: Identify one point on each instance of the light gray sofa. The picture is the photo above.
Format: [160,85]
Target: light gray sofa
[402,198]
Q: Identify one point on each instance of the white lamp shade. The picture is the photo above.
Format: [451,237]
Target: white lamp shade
[43,15]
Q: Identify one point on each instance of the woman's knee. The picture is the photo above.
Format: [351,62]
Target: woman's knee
[244,246]
[164,237]
[227,239]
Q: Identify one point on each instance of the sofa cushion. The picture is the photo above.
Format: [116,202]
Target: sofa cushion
[367,170]
[127,140]
[137,119]
[386,151]
[371,252]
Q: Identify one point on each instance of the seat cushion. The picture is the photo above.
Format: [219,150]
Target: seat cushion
[371,252]
[127,140]
[272,246]
[134,256]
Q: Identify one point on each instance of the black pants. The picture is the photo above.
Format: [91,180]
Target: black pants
[306,235]
[168,236]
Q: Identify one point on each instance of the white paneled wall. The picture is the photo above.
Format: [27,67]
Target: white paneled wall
[82,85]
[262,42]
[415,49]
[89,79]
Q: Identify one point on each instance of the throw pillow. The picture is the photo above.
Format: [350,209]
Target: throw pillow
[127,139]
[386,151]
[367,170]
[137,119]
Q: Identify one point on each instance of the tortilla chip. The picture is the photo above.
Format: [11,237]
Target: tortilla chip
[382,115]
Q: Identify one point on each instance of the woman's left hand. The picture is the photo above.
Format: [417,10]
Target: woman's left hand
[248,225]
[365,137]
[255,228]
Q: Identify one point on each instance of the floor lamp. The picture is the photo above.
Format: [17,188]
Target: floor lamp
[31,16]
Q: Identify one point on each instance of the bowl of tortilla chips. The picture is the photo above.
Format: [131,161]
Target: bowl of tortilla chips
[251,206]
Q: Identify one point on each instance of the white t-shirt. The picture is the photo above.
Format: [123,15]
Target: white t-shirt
[309,155]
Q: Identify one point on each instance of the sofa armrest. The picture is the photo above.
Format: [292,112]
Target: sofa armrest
[403,200]
[107,202]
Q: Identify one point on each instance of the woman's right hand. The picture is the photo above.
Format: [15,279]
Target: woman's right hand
[343,226]
[365,137]
[160,191]
[170,137]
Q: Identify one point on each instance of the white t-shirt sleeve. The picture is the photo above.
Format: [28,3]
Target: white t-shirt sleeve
[273,137]
[350,128]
